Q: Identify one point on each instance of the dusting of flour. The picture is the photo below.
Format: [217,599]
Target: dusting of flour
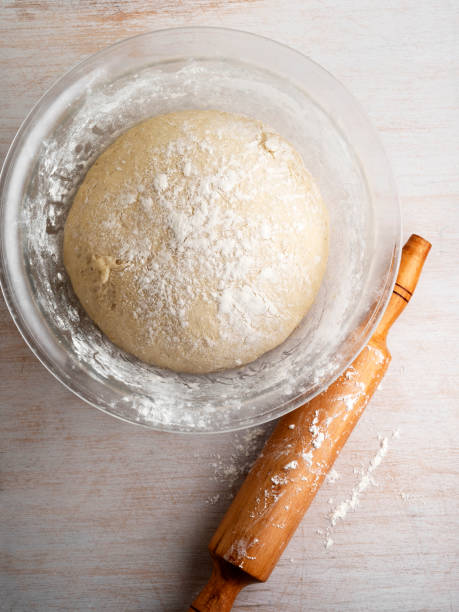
[351,501]
[197,241]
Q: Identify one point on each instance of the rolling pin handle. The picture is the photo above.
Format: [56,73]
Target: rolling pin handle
[222,589]
[414,255]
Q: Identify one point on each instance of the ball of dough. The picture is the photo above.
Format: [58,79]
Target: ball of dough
[197,241]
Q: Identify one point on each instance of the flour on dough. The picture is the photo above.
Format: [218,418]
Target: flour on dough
[197,240]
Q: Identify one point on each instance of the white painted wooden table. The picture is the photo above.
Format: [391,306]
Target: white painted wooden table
[100,515]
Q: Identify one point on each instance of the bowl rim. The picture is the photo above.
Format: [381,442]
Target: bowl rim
[17,313]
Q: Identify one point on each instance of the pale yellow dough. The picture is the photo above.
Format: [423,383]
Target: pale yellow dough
[197,241]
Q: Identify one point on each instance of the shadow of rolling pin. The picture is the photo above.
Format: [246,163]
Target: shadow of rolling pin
[295,460]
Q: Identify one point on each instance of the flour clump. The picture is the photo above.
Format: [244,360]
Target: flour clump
[197,241]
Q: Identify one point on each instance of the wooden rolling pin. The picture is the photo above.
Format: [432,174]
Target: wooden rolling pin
[295,460]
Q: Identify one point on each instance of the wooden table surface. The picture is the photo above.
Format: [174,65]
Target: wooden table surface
[97,514]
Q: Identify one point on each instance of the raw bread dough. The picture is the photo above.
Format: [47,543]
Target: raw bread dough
[197,240]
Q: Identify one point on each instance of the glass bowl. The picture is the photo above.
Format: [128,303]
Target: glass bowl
[207,68]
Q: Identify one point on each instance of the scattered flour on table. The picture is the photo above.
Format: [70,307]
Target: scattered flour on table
[230,470]
[351,502]
[332,476]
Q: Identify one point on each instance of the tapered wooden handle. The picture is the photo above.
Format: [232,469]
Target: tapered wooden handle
[220,592]
[414,255]
[283,482]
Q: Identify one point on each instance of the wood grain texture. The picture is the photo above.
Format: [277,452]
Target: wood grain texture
[100,515]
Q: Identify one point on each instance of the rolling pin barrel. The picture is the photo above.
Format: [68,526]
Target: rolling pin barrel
[295,460]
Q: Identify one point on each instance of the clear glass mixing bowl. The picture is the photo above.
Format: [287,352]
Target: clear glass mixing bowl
[207,68]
